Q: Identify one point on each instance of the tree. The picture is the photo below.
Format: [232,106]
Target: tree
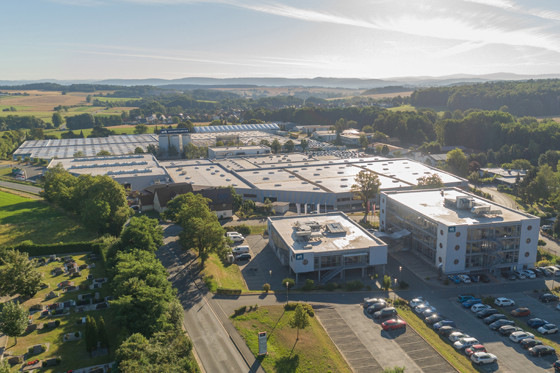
[366,187]
[18,274]
[386,282]
[88,99]
[236,199]
[102,333]
[289,146]
[142,233]
[138,150]
[140,128]
[300,319]
[457,162]
[13,319]
[4,366]
[275,146]
[430,181]
[394,370]
[79,154]
[363,141]
[304,144]
[165,352]
[91,334]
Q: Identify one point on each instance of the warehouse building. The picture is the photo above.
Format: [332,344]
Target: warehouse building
[325,246]
[134,171]
[458,232]
[86,147]
[308,183]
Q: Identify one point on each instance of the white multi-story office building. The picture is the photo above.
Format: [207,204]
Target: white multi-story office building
[461,232]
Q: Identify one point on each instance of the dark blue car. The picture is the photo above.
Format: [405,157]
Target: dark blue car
[442,323]
[471,302]
[536,323]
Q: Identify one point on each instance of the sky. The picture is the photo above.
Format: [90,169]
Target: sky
[170,39]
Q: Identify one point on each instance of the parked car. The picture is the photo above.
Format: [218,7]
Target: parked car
[454,278]
[464,278]
[445,331]
[371,301]
[521,311]
[427,312]
[455,336]
[237,238]
[518,336]
[497,324]
[393,324]
[556,366]
[464,297]
[504,302]
[548,329]
[471,302]
[538,272]
[495,317]
[433,319]
[240,250]
[242,257]
[520,275]
[479,307]
[474,348]
[419,309]
[527,343]
[416,302]
[509,275]
[529,273]
[558,306]
[385,313]
[465,342]
[536,323]
[376,307]
[440,324]
[507,330]
[483,358]
[542,350]
[487,312]
[547,298]
[484,278]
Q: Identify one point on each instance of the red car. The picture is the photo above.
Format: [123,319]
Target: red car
[475,348]
[523,311]
[393,324]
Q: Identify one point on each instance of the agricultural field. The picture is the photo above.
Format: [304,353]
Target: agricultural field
[41,104]
[24,219]
[73,353]
[313,352]
[124,129]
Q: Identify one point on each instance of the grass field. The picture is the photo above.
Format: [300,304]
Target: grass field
[23,219]
[73,354]
[313,352]
[115,99]
[217,275]
[403,108]
[119,130]
[41,104]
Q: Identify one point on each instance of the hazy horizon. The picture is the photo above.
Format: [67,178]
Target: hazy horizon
[379,39]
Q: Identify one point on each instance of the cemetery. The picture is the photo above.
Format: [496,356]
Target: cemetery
[56,338]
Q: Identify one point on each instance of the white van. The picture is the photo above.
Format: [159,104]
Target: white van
[240,250]
[229,234]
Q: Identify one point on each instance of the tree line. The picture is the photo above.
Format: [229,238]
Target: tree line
[521,98]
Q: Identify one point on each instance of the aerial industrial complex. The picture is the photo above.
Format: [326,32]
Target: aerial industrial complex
[453,230]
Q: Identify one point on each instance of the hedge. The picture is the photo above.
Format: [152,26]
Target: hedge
[57,248]
[222,291]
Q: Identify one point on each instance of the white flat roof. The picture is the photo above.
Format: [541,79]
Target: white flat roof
[202,172]
[354,238]
[431,203]
[127,165]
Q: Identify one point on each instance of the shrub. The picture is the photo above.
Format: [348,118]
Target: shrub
[244,229]
[290,281]
[354,285]
[309,285]
[266,287]
[488,300]
[331,286]
[223,291]
[57,323]
[307,307]
[403,284]
[240,311]
[386,282]
[541,243]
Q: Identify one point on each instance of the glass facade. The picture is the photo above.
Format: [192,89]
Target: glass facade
[423,230]
[492,246]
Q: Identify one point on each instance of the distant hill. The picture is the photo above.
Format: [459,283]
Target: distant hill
[348,83]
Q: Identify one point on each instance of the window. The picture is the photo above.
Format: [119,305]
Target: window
[458,234]
[529,227]
[457,247]
[456,261]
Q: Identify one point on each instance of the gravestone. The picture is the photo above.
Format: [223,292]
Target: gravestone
[37,349]
[15,360]
[51,362]
[52,295]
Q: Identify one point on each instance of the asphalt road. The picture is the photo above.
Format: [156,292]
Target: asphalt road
[217,344]
[22,187]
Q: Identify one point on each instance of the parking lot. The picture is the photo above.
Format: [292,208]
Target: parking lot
[511,357]
[349,327]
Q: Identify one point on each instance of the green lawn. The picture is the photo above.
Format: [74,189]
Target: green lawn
[73,354]
[115,99]
[403,108]
[23,219]
[313,352]
[218,275]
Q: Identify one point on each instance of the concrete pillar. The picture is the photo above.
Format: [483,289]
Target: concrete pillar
[305,208]
[319,274]
[318,208]
[298,208]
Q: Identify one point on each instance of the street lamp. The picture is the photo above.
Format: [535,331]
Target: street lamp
[287,292]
